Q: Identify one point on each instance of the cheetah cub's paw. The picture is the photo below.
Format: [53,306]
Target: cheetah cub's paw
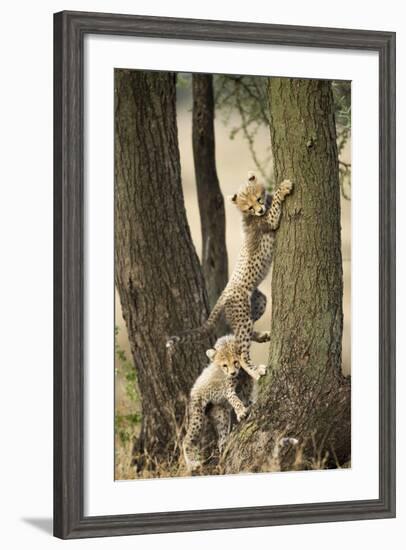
[192,459]
[285,441]
[255,371]
[286,187]
[261,369]
[265,336]
[241,414]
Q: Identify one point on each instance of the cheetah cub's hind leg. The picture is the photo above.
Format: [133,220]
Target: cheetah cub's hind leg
[238,314]
[220,418]
[190,447]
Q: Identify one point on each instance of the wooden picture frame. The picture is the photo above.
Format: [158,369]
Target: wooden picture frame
[69,31]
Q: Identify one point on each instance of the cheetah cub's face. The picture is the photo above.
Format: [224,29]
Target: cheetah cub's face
[226,357]
[250,198]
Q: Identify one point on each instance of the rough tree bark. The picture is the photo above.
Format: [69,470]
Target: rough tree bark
[303,394]
[157,274]
[211,202]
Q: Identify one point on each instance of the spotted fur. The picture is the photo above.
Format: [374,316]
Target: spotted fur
[220,388]
[241,300]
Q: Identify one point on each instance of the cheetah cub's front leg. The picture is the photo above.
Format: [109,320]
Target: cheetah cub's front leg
[240,409]
[273,216]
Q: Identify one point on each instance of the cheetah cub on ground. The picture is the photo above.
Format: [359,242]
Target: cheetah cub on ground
[241,300]
[214,394]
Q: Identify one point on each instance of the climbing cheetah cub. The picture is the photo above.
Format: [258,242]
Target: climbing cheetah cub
[214,394]
[241,300]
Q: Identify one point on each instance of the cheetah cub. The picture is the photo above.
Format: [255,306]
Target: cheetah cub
[241,301]
[214,394]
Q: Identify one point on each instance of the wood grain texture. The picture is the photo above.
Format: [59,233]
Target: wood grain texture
[69,30]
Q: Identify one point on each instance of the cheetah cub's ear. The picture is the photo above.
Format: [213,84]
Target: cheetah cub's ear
[211,353]
[232,198]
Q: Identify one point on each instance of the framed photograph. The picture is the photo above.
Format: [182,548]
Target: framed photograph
[224,267]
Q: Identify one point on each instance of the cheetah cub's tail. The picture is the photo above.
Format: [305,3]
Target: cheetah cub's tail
[200,333]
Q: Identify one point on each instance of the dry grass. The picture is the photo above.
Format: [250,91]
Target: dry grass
[175,466]
[284,453]
[279,434]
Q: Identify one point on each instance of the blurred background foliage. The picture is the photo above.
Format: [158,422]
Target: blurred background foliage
[247,97]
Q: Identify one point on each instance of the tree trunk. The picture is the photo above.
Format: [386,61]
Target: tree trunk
[303,394]
[157,274]
[211,202]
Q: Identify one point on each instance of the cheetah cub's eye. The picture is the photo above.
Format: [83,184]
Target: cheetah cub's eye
[251,209]
[225,366]
[260,200]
